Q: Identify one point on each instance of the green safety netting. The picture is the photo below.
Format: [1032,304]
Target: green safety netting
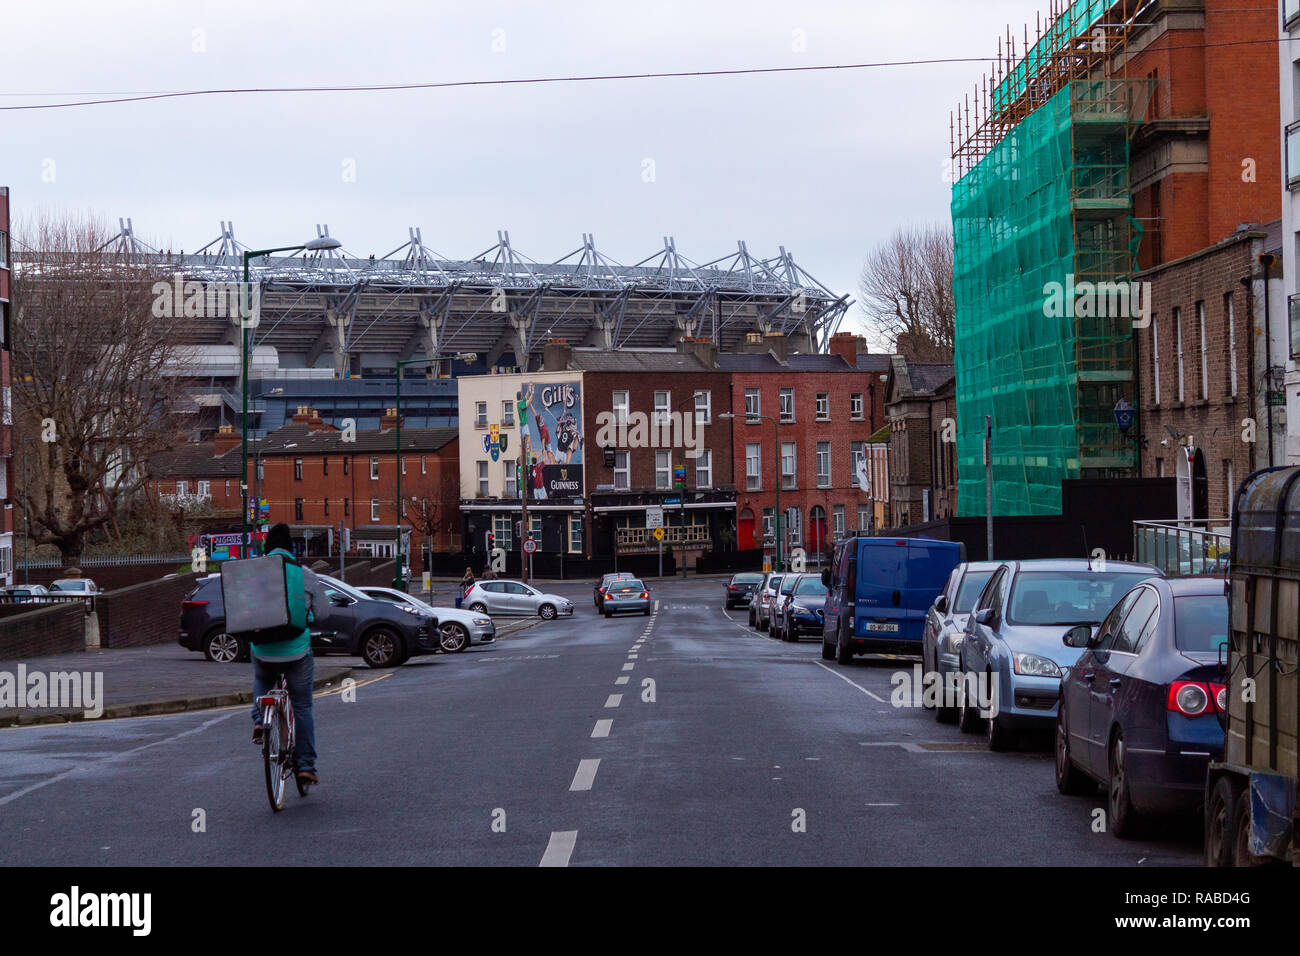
[1049,204]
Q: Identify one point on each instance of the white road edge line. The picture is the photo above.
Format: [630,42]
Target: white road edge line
[586,775]
[559,848]
[602,727]
[874,697]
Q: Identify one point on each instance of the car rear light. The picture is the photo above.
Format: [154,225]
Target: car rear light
[732,587]
[1190,698]
[190,604]
[644,595]
[1220,696]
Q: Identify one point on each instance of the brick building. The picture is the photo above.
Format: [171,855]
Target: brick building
[1202,371]
[6,400]
[922,466]
[821,410]
[200,475]
[1289,88]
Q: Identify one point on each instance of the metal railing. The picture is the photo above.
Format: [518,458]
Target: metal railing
[632,540]
[103,561]
[1183,548]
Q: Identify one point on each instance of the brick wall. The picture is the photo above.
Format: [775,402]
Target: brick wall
[56,629]
[143,613]
[105,578]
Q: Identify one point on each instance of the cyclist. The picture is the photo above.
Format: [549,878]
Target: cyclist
[292,657]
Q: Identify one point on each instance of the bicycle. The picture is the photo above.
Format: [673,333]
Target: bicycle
[279,743]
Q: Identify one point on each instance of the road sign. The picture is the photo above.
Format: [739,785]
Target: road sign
[659,534]
[529,545]
[654,517]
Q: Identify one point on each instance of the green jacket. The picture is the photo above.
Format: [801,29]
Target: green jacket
[290,649]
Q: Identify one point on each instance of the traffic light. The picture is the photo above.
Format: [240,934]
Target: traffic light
[491,541]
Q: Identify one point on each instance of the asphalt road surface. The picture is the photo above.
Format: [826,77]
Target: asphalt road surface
[683,738]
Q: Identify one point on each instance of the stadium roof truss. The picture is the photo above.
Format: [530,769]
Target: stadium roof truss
[412,302]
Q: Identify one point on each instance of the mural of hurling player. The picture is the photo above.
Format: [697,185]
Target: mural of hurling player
[569,442]
[538,479]
[543,447]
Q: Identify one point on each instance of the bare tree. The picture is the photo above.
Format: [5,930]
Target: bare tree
[97,376]
[906,287]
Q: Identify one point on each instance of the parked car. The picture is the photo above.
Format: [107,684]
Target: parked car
[880,590]
[1140,707]
[758,610]
[24,593]
[803,612]
[779,601]
[627,594]
[83,588]
[379,632]
[945,623]
[742,587]
[457,628]
[1013,637]
[515,597]
[598,592]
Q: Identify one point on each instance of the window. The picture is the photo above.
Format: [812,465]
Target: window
[1230,485]
[704,407]
[620,403]
[855,407]
[857,453]
[297,509]
[1293,155]
[480,415]
[753,405]
[227,492]
[374,509]
[1131,632]
[327,507]
[663,469]
[482,479]
[787,404]
[1290,10]
[1205,351]
[402,459]
[622,470]
[663,405]
[512,479]
[297,469]
[837,520]
[325,465]
[789,475]
[1178,349]
[753,466]
[347,507]
[424,464]
[864,518]
[794,527]
[1230,320]
[823,406]
[823,464]
[205,489]
[182,488]
[346,460]
[261,470]
[503,531]
[374,469]
[769,526]
[575,534]
[507,413]
[4,248]
[1160,468]
[704,469]
[1155,356]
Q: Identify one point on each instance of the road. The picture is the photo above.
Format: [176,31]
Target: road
[546,748]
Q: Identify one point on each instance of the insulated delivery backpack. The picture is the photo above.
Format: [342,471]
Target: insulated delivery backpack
[268,599]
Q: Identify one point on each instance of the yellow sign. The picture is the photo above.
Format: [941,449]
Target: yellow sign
[659,534]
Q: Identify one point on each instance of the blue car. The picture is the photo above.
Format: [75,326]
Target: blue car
[879,592]
[802,612]
[1140,707]
[1012,658]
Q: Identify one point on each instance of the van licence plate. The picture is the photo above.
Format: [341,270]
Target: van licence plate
[876,626]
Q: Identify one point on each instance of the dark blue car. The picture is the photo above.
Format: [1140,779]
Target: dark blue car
[801,613]
[1139,708]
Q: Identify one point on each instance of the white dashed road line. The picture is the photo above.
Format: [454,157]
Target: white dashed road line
[614,700]
[559,848]
[874,697]
[628,667]
[618,682]
[586,775]
[602,727]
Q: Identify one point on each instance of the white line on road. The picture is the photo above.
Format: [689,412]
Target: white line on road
[614,700]
[656,606]
[602,727]
[559,848]
[882,804]
[622,680]
[628,667]
[874,697]
[586,774]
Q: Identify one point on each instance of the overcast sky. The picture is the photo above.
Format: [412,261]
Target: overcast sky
[824,163]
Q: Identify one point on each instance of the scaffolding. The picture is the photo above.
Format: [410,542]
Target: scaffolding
[1044,245]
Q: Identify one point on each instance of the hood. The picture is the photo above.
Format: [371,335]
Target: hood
[811,601]
[1044,641]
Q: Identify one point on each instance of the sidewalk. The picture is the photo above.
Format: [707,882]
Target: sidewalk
[168,679]
[161,679]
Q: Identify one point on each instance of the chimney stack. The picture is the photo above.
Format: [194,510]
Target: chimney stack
[556,355]
[389,419]
[777,343]
[225,439]
[702,347]
[848,346]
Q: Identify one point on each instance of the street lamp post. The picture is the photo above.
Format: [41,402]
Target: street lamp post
[776,441]
[319,244]
[399,578]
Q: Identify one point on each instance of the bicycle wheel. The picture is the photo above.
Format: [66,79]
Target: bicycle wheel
[275,755]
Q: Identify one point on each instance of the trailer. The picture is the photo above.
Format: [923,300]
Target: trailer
[1250,796]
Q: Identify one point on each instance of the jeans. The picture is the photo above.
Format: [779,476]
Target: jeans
[300,675]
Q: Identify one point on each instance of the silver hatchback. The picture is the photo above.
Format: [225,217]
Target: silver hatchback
[515,597]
